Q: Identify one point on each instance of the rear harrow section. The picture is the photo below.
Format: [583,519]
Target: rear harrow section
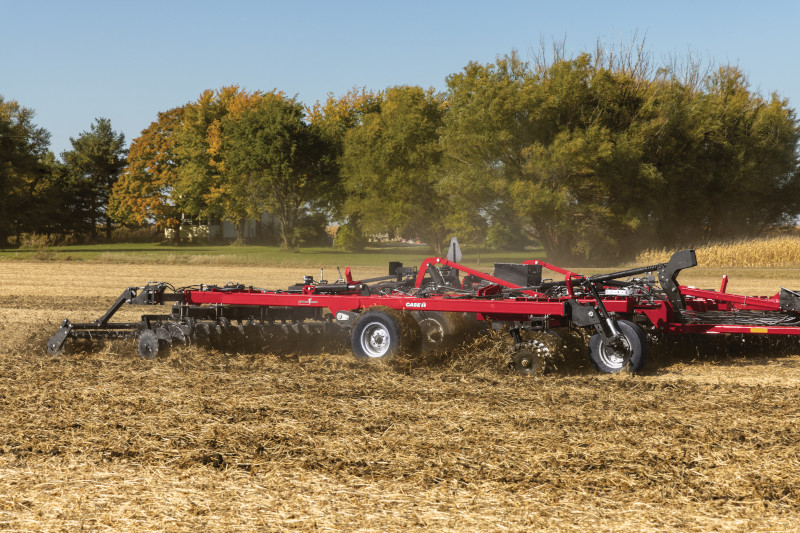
[440,304]
[249,337]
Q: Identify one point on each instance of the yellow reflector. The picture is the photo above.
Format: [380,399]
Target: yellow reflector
[759,330]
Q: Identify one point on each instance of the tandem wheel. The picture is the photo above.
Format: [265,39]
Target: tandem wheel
[631,355]
[383,332]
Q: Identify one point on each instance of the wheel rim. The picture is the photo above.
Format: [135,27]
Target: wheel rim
[375,340]
[432,331]
[615,358]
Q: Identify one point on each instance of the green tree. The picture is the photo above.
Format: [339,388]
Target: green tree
[201,189]
[271,160]
[331,121]
[25,171]
[728,158]
[491,121]
[392,167]
[552,147]
[96,160]
[598,158]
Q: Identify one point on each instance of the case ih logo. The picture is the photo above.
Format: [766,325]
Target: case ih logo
[416,304]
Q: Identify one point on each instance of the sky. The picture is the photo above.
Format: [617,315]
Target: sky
[74,61]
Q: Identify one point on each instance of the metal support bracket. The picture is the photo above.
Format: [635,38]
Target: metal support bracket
[56,342]
[789,300]
[668,276]
[596,316]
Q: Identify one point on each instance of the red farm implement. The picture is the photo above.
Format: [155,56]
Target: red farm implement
[432,307]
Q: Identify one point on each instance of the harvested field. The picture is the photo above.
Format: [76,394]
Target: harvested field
[205,440]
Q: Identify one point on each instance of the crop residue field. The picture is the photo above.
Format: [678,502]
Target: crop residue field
[204,440]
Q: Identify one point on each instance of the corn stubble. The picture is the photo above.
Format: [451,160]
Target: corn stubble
[767,252]
[99,439]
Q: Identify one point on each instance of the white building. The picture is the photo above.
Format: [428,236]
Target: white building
[201,230]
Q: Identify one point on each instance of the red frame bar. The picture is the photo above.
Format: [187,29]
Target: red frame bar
[520,307]
[731,329]
[535,304]
[755,303]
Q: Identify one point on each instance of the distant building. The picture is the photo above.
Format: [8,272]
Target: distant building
[211,229]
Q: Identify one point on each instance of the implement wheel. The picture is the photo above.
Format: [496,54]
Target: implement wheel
[630,354]
[149,344]
[441,331]
[381,333]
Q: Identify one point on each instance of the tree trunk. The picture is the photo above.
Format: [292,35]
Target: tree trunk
[435,237]
[176,233]
[5,230]
[287,234]
[239,225]
[93,229]
[288,220]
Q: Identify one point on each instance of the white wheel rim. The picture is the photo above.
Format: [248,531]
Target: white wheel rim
[615,359]
[375,340]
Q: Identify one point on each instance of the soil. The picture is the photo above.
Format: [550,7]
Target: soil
[99,439]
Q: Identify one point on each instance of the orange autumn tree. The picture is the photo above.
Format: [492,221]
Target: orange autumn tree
[231,155]
[175,167]
[337,115]
[144,192]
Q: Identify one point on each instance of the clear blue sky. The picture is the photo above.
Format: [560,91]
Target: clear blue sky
[73,61]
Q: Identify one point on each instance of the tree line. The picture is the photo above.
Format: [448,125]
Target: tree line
[595,157]
[45,195]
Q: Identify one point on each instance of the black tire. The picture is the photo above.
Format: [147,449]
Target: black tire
[631,357]
[149,344]
[383,333]
[440,330]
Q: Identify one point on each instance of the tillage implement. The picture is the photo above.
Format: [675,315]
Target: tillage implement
[437,305]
